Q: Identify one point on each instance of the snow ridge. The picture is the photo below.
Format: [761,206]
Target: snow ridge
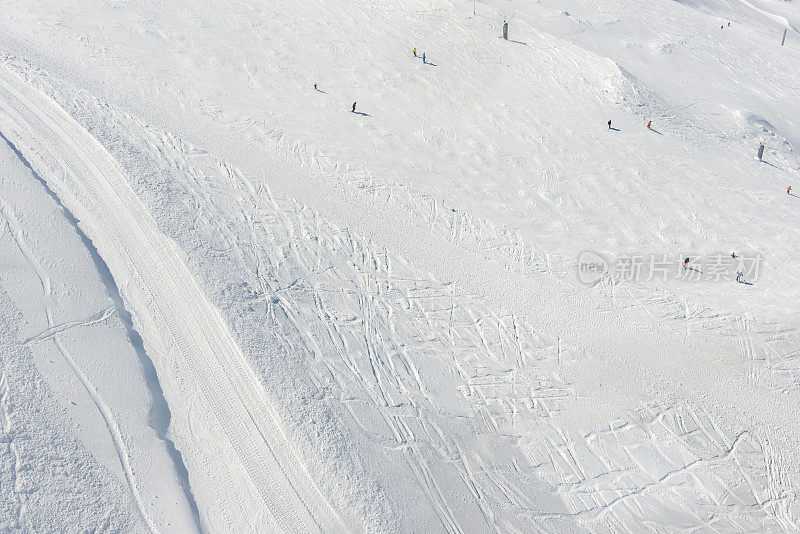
[159,410]
[169,308]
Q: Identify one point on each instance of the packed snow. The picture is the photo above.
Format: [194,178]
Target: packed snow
[264,269]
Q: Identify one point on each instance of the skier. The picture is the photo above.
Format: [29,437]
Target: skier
[423,58]
[739,276]
[649,123]
[733,255]
[354,107]
[685,264]
[315,87]
[609,125]
[415,52]
[789,190]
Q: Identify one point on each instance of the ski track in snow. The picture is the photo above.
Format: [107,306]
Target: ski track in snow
[159,411]
[190,330]
[102,407]
[43,466]
[37,449]
[601,478]
[374,319]
[605,478]
[468,395]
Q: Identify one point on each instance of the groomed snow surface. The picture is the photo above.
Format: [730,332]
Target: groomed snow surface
[228,303]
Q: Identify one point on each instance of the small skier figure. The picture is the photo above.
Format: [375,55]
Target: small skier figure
[315,87]
[685,264]
[354,107]
[609,125]
[649,124]
[733,255]
[415,52]
[739,276]
[789,190]
[423,58]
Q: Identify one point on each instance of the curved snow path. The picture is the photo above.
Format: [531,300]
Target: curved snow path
[189,339]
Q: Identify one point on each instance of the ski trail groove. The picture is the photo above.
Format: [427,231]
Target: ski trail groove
[98,317]
[171,312]
[159,417]
[105,412]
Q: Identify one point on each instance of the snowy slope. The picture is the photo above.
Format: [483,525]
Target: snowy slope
[372,322]
[46,462]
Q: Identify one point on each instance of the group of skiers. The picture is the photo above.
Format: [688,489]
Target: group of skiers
[649,125]
[424,60]
[739,274]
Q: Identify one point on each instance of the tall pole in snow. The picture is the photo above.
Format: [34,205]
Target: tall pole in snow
[473,7]
[784,36]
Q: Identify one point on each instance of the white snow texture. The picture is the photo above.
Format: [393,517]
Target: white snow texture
[232,300]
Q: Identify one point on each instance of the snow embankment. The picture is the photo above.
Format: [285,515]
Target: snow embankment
[238,452]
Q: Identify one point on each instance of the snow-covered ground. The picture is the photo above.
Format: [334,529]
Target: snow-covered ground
[229,304]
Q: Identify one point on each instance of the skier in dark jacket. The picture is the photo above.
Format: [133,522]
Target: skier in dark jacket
[354,107]
[609,125]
